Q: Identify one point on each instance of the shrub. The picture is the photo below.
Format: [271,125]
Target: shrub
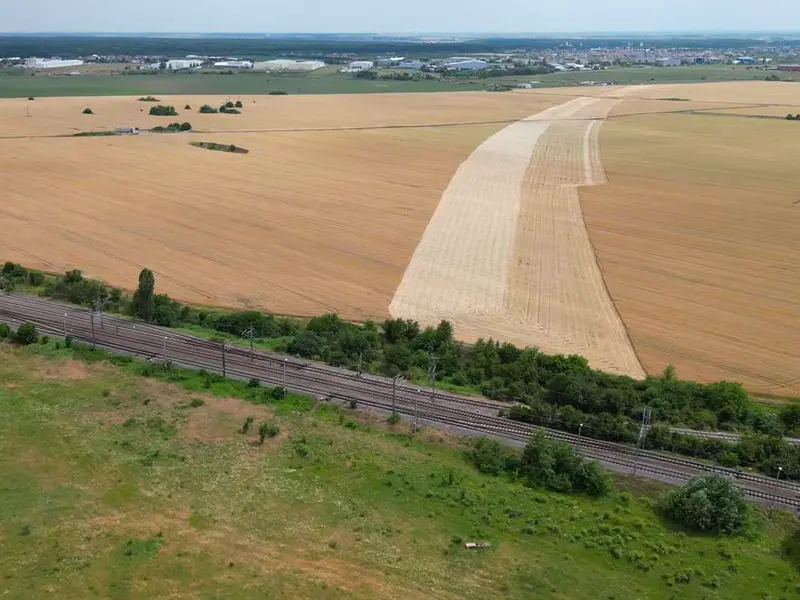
[248,422]
[197,402]
[278,93]
[35,278]
[186,126]
[253,383]
[187,107]
[5,331]
[266,430]
[393,418]
[228,104]
[789,117]
[206,109]
[161,110]
[148,99]
[26,334]
[68,342]
[88,111]
[238,104]
[556,466]
[709,503]
[31,98]
[490,456]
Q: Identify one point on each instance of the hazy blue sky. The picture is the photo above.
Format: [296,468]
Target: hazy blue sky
[397,16]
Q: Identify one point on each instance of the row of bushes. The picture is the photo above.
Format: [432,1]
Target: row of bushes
[544,463]
[26,334]
[560,391]
[710,503]
[173,128]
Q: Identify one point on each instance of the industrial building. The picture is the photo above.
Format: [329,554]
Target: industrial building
[360,65]
[788,67]
[668,61]
[390,61]
[180,64]
[289,65]
[470,64]
[410,64]
[50,63]
[234,64]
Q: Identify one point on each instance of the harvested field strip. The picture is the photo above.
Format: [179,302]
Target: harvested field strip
[507,255]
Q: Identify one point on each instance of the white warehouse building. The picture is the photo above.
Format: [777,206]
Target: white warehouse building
[234,64]
[50,63]
[180,64]
[289,65]
[466,65]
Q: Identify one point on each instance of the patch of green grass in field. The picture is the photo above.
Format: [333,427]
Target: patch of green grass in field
[115,485]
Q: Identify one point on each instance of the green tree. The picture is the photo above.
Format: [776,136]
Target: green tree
[88,111]
[26,334]
[709,503]
[144,296]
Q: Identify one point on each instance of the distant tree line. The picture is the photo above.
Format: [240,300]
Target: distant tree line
[321,46]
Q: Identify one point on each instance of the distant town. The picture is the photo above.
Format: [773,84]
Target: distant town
[555,59]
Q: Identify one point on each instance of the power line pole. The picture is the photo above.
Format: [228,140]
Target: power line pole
[432,371]
[65,324]
[249,333]
[284,376]
[416,411]
[645,427]
[360,356]
[395,380]
[224,362]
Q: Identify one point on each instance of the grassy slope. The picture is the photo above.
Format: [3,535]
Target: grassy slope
[328,81]
[113,485]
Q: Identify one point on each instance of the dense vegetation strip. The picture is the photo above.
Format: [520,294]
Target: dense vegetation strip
[561,392]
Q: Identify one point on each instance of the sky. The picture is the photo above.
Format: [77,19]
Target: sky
[408,16]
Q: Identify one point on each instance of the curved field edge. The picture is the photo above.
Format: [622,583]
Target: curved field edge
[506,255]
[696,238]
[150,490]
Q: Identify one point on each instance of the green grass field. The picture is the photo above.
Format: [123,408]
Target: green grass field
[642,75]
[116,485]
[329,81]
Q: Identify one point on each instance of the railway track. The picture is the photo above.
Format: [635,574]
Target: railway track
[464,413]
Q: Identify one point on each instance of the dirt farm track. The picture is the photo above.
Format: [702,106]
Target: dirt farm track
[637,226]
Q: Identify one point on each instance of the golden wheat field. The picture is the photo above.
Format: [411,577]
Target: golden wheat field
[696,234]
[307,222]
[638,226]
